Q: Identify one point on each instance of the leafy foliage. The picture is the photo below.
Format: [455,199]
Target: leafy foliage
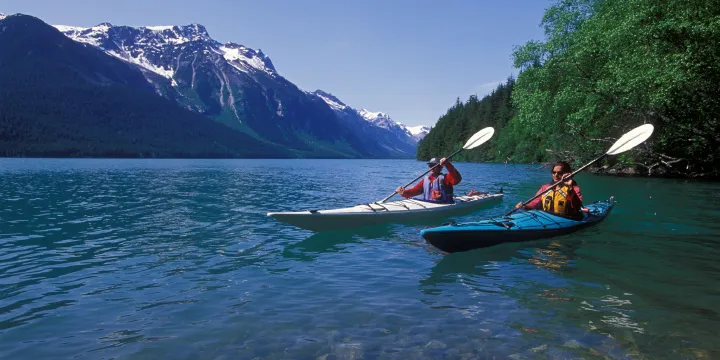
[606,66]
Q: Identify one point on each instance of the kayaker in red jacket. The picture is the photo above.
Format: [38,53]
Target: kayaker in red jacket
[564,200]
[436,187]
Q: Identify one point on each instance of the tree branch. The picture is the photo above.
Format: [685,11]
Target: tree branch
[607,139]
[649,167]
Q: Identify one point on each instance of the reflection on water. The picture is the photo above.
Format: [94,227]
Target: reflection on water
[548,280]
[333,241]
[519,282]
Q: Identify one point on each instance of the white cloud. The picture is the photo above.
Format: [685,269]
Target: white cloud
[486,88]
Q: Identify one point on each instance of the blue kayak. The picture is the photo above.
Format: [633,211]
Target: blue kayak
[520,226]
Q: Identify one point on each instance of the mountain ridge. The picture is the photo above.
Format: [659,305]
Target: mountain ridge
[61,98]
[240,81]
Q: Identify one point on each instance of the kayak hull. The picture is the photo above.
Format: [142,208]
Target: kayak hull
[402,211]
[521,226]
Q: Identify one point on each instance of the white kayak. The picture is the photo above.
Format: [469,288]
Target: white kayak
[406,210]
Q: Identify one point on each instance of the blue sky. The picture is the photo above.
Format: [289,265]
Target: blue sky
[410,59]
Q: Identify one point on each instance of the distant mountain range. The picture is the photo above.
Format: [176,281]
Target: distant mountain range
[233,85]
[396,137]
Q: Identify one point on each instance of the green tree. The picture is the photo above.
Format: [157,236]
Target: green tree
[608,65]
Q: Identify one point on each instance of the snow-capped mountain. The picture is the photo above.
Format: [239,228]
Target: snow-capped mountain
[390,136]
[164,51]
[239,87]
[384,121]
[147,46]
[61,98]
[418,132]
[378,119]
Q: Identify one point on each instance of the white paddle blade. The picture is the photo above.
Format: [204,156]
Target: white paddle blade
[632,139]
[479,138]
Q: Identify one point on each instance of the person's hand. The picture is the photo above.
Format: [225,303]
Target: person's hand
[519,205]
[400,190]
[568,182]
[443,161]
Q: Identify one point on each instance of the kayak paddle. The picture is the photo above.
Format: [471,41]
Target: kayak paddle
[476,140]
[626,142]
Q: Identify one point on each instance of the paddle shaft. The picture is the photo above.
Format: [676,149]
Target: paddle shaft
[557,183]
[425,173]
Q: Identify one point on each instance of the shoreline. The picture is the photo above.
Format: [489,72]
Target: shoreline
[636,171]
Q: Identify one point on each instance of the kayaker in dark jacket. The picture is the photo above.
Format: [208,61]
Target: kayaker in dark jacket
[564,200]
[437,187]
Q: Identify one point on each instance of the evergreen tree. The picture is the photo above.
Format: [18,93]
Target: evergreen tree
[604,67]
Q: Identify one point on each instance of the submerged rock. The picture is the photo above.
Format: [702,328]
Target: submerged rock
[629,171]
[573,344]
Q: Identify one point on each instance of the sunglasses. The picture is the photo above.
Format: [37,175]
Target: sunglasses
[558,172]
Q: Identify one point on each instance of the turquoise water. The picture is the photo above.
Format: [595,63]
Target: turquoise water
[147,259]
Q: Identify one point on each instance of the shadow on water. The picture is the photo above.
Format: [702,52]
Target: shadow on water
[531,280]
[334,241]
[600,310]
[552,255]
[337,240]
[535,280]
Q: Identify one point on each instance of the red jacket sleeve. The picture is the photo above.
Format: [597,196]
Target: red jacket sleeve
[453,176]
[415,190]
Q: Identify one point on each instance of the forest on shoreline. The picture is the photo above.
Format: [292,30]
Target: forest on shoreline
[604,67]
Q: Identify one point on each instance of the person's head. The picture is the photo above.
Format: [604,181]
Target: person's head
[437,169]
[559,169]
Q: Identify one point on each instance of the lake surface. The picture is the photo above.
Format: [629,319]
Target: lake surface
[148,259]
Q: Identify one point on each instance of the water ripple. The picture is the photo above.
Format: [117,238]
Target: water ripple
[176,259]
